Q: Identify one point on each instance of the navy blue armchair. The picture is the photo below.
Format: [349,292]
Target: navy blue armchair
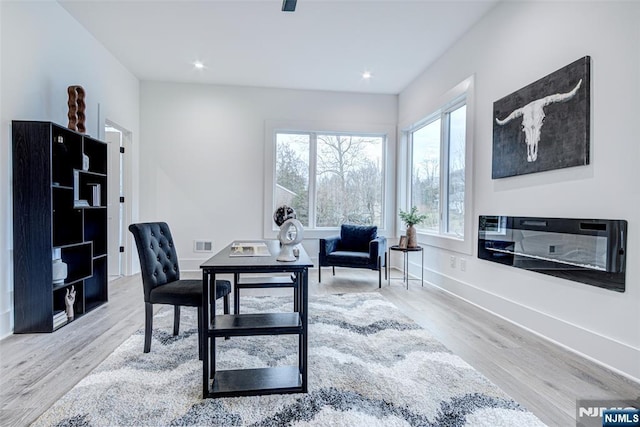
[357,246]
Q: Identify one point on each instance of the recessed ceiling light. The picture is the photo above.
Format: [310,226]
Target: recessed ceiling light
[366,75]
[199,65]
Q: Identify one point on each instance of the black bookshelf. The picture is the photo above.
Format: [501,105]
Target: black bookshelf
[58,204]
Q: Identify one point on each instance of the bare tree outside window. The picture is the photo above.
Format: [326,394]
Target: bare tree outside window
[349,180]
[292,174]
[437,160]
[457,136]
[348,177]
[425,184]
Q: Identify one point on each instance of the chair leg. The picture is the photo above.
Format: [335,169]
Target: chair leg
[148,325]
[236,299]
[225,304]
[225,308]
[379,271]
[386,267]
[212,301]
[319,273]
[333,267]
[176,320]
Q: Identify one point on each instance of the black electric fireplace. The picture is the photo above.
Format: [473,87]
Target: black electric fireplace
[591,251]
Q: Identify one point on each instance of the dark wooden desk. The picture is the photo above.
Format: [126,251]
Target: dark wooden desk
[246,382]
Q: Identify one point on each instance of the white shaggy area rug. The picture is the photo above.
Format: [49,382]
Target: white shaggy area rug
[369,365]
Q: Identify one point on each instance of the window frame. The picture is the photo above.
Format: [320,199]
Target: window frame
[461,94]
[444,115]
[272,128]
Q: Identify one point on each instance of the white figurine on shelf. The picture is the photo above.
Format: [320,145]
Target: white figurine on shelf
[69,299]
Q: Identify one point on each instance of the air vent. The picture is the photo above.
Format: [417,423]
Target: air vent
[202,246]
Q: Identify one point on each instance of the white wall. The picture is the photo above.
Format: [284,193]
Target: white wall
[514,45]
[44,50]
[203,150]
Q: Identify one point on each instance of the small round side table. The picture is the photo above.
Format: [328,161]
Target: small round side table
[405,263]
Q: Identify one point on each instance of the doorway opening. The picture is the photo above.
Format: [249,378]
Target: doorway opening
[118,207]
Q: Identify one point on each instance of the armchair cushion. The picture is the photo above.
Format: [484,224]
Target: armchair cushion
[356,238]
[348,258]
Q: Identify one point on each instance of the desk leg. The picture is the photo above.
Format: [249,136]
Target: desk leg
[387,267]
[303,282]
[297,307]
[212,343]
[236,294]
[204,335]
[296,293]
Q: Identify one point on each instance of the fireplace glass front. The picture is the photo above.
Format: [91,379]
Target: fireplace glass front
[590,251]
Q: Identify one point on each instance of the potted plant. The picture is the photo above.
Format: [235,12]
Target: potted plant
[412,218]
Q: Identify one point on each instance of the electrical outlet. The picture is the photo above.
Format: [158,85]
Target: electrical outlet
[452,261]
[463,264]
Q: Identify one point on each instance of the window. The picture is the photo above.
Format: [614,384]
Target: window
[330,178]
[437,151]
[292,173]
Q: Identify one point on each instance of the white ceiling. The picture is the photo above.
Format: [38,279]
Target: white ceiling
[323,45]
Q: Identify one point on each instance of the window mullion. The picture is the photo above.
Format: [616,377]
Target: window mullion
[444,173]
[313,157]
[409,172]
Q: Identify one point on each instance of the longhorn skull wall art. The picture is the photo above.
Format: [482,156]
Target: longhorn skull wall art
[544,125]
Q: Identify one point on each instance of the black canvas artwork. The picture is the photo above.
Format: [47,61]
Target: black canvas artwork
[544,125]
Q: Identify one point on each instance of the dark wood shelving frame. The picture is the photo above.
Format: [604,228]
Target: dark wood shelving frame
[46,158]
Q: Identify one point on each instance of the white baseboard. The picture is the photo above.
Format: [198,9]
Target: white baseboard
[614,355]
[5,324]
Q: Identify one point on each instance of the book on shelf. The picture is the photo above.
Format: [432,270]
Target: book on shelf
[60,322]
[57,325]
[95,194]
[59,318]
[249,249]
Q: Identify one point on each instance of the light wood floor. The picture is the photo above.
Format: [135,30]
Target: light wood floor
[37,369]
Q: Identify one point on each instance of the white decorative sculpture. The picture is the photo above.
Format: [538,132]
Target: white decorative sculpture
[69,299]
[289,239]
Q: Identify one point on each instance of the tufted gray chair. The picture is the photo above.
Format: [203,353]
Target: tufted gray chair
[161,278]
